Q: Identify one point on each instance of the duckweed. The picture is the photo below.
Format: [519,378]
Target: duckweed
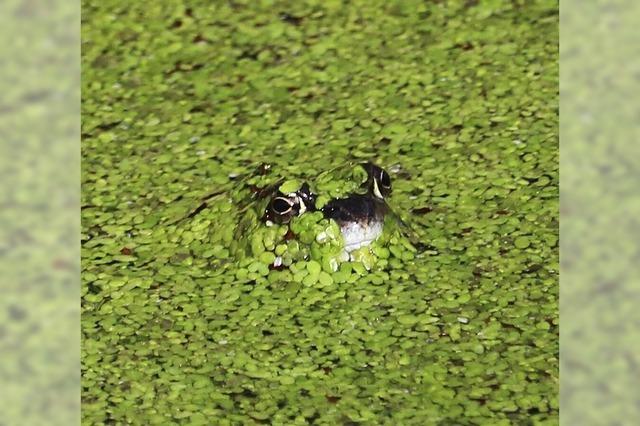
[193,113]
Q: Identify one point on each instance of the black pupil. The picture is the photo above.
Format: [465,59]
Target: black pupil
[281,206]
[385,180]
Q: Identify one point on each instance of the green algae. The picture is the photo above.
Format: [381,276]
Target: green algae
[184,322]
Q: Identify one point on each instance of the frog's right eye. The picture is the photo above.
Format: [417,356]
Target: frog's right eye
[385,179]
[281,206]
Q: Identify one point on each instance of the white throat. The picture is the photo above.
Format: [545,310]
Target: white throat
[357,235]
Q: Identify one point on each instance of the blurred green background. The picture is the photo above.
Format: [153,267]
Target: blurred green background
[600,354]
[39,220]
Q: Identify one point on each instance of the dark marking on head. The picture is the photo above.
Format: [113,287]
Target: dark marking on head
[354,208]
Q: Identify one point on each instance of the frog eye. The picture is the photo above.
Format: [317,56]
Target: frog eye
[379,181]
[281,206]
[385,179]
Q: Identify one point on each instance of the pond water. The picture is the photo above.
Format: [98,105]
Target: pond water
[451,317]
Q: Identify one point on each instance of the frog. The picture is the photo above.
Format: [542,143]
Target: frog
[340,216]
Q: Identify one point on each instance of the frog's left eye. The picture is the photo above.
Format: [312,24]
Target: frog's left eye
[281,206]
[280,210]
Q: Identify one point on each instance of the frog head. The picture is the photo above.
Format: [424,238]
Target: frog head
[340,215]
